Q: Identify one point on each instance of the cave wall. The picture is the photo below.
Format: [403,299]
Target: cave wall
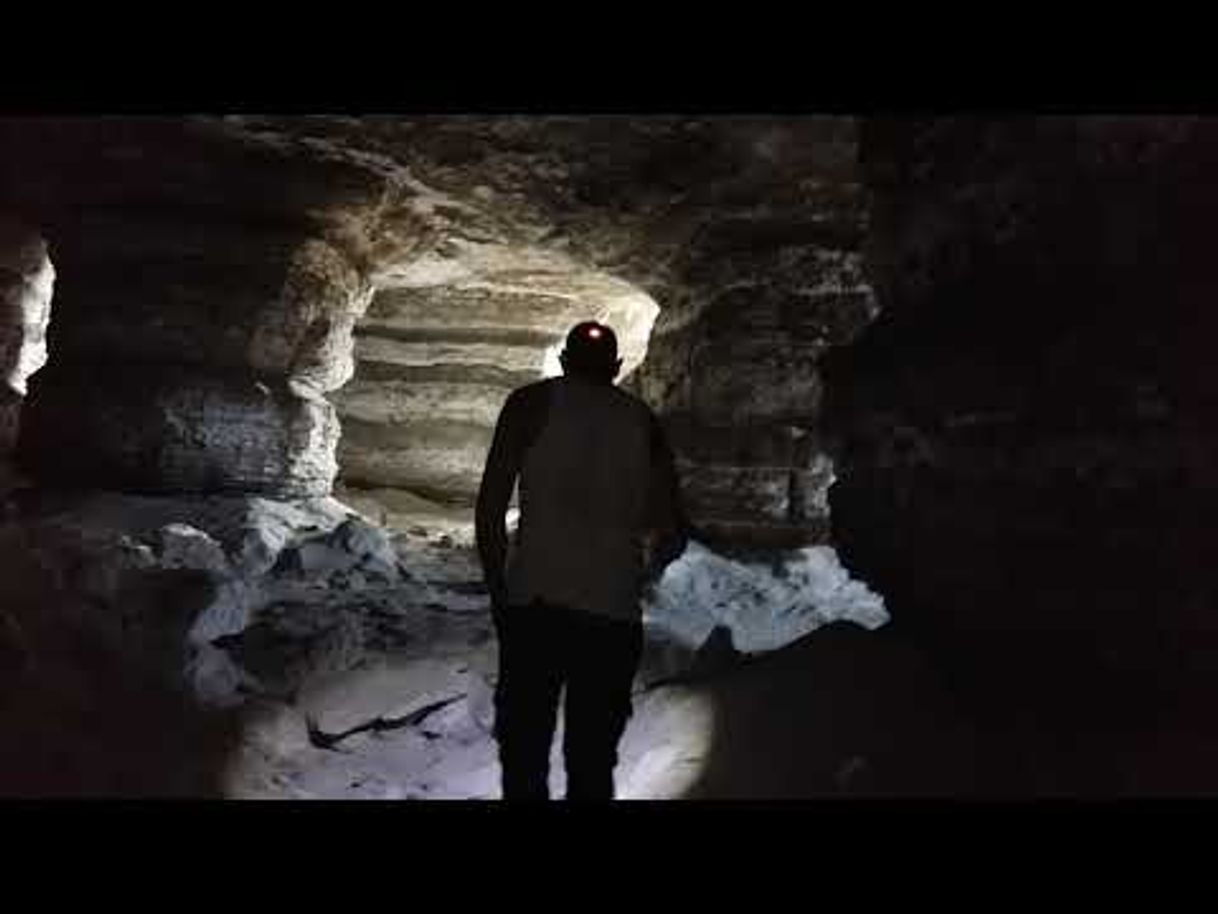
[436,362]
[1025,466]
[27,279]
[766,282]
[218,281]
[213,272]
[1021,441]
[207,292]
[746,232]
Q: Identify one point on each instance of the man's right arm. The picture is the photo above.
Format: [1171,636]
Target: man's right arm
[519,424]
[498,479]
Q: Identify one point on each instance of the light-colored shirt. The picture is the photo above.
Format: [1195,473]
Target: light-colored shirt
[595,480]
[583,503]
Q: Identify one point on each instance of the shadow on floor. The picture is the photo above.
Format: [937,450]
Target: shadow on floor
[78,720]
[846,712]
[843,712]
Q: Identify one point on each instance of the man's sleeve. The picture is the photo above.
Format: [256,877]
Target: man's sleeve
[669,526]
[517,425]
[494,493]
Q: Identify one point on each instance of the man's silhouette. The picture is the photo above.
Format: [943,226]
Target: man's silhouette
[599,516]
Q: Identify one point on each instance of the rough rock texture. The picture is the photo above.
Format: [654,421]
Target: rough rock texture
[435,364]
[744,231]
[215,283]
[760,606]
[223,613]
[242,251]
[1026,457]
[27,279]
[209,286]
[247,647]
[769,278]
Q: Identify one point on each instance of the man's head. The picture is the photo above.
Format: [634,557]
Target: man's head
[591,352]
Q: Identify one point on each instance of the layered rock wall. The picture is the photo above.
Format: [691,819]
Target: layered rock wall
[769,279]
[745,232]
[435,364]
[221,279]
[208,290]
[27,280]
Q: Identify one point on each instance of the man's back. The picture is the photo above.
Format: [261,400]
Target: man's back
[585,484]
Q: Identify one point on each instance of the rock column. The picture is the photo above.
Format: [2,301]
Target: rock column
[27,279]
[207,290]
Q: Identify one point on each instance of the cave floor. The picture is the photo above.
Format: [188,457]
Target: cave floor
[434,702]
[842,712]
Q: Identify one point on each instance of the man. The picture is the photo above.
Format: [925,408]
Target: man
[599,516]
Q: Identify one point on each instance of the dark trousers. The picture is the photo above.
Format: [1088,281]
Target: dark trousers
[543,648]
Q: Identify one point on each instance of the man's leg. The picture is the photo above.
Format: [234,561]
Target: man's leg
[602,668]
[526,703]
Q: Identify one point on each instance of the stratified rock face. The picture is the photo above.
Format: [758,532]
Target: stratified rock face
[1026,469]
[209,287]
[176,430]
[213,276]
[765,284]
[746,234]
[436,363]
[26,282]
[244,250]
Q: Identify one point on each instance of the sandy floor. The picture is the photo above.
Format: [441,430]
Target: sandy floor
[842,711]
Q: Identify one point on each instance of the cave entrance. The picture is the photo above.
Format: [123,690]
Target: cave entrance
[434,363]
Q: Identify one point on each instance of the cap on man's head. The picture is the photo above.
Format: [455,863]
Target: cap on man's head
[591,345]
